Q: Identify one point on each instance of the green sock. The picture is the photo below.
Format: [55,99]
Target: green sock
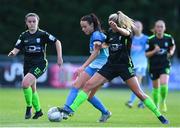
[164,92]
[35,102]
[28,96]
[81,97]
[149,103]
[155,94]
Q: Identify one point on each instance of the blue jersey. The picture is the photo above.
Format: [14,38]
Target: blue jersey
[104,53]
[138,49]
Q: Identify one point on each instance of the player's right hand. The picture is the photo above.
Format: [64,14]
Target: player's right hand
[11,53]
[60,61]
[157,48]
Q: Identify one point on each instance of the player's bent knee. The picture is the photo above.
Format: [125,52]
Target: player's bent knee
[88,86]
[25,84]
[76,85]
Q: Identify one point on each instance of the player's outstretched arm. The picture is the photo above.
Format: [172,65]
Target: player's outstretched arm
[94,54]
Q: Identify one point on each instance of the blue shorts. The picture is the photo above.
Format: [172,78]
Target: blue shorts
[140,71]
[91,71]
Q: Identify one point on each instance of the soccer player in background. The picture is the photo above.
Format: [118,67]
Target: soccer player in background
[90,25]
[160,48]
[33,42]
[139,59]
[119,64]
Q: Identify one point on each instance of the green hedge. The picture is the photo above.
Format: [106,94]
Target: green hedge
[61,18]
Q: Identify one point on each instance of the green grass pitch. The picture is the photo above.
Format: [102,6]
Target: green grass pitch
[12,107]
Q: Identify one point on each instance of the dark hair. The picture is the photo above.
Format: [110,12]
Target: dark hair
[92,18]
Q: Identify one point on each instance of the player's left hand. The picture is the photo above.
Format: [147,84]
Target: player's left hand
[113,25]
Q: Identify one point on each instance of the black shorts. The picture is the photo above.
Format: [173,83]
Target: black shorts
[155,73]
[110,71]
[37,69]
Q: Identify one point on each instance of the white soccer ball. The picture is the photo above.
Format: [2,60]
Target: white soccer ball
[54,115]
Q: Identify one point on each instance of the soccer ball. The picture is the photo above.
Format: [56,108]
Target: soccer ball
[54,115]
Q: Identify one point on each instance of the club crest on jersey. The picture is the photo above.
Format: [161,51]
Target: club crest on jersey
[166,44]
[38,40]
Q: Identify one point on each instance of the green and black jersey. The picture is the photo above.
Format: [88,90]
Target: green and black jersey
[34,45]
[119,62]
[34,48]
[160,60]
[119,48]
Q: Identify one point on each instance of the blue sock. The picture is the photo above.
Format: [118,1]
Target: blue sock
[98,104]
[132,98]
[72,95]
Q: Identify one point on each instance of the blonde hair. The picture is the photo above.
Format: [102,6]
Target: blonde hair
[122,20]
[161,22]
[158,21]
[32,14]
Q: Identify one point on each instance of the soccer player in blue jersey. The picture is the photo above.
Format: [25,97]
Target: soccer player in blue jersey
[159,50]
[33,43]
[119,64]
[139,59]
[90,25]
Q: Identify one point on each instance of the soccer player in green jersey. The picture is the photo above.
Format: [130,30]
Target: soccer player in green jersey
[33,42]
[159,50]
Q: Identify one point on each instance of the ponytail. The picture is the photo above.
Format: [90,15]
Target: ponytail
[122,20]
[92,18]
